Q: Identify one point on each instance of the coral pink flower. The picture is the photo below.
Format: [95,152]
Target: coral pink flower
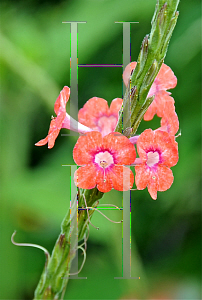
[102,160]
[158,106]
[164,81]
[128,72]
[157,153]
[169,121]
[63,120]
[98,116]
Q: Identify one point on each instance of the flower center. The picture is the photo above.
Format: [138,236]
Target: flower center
[152,158]
[104,159]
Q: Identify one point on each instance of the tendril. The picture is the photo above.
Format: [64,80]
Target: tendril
[85,239]
[106,216]
[31,245]
[179,134]
[111,205]
[84,259]
[88,213]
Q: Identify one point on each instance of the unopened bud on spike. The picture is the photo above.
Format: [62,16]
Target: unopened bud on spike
[127,132]
[162,15]
[142,56]
[133,91]
[151,74]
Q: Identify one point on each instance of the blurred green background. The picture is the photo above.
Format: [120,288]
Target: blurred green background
[166,234]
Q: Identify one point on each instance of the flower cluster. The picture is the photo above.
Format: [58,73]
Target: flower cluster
[103,155]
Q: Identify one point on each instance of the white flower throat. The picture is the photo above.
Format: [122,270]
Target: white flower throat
[104,159]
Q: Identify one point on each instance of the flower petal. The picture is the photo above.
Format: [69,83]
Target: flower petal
[116,105]
[169,121]
[153,187]
[161,180]
[151,111]
[169,151]
[159,105]
[146,177]
[127,72]
[92,110]
[42,142]
[104,182]
[106,124]
[144,143]
[142,176]
[120,146]
[166,78]
[52,135]
[122,178]
[83,177]
[165,178]
[86,147]
[62,100]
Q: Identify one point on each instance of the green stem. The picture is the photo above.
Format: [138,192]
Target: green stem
[55,276]
[150,59]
